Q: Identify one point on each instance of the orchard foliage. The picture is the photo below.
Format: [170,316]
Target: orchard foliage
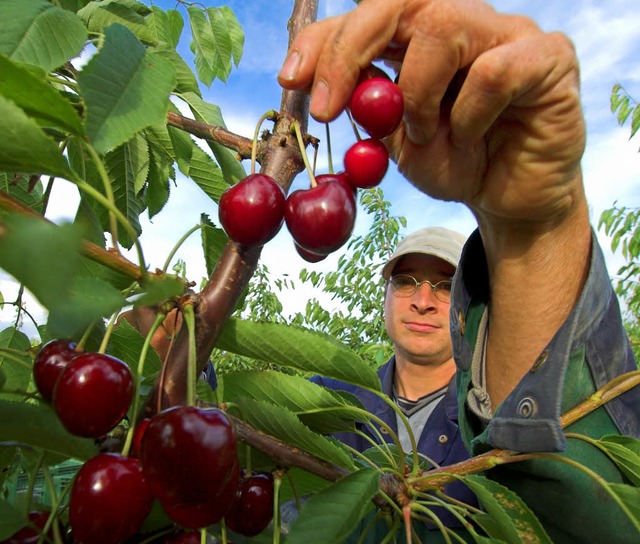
[88,97]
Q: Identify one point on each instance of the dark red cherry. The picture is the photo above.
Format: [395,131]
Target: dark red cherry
[252,211]
[309,256]
[252,508]
[321,218]
[109,500]
[201,514]
[377,106]
[188,455]
[186,537]
[141,427]
[31,533]
[366,163]
[92,394]
[49,362]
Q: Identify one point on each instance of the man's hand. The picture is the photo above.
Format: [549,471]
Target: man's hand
[492,108]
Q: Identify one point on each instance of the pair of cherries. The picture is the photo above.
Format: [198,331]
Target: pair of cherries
[320,218]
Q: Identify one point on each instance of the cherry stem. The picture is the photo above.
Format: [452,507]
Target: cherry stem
[189,318]
[303,152]
[329,155]
[179,243]
[107,334]
[277,483]
[271,114]
[160,317]
[353,125]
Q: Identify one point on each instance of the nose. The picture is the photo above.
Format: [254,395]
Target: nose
[424,299]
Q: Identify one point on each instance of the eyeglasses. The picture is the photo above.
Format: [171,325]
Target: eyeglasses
[405,286]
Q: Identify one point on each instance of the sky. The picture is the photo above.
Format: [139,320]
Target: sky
[607,40]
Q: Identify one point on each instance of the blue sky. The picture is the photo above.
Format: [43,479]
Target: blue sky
[607,39]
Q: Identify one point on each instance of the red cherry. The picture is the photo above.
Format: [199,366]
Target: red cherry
[321,219]
[188,455]
[49,362]
[309,256]
[141,427]
[366,163]
[377,106]
[92,394]
[251,212]
[202,514]
[109,500]
[186,537]
[252,509]
[31,533]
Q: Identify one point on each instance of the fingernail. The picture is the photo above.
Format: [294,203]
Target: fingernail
[319,100]
[416,134]
[290,67]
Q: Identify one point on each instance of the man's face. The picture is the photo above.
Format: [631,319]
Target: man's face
[418,325]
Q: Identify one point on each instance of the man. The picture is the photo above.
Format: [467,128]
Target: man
[418,378]
[493,119]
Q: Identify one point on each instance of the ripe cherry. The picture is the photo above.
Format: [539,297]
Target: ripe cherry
[366,163]
[200,514]
[92,394]
[377,106]
[252,211]
[109,500]
[252,508]
[309,256]
[321,218]
[141,427]
[186,537]
[31,533]
[188,456]
[49,362]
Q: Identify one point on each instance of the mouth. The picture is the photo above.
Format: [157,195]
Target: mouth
[420,327]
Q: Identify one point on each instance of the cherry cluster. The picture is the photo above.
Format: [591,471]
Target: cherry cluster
[112,494]
[322,217]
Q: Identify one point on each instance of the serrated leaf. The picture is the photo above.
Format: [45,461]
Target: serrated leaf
[186,81]
[99,15]
[232,168]
[16,370]
[319,408]
[126,344]
[213,241]
[25,148]
[87,300]
[630,496]
[26,33]
[206,174]
[38,426]
[125,88]
[168,25]
[332,514]
[160,290]
[283,424]
[625,453]
[211,44]
[516,521]
[235,33]
[297,348]
[37,98]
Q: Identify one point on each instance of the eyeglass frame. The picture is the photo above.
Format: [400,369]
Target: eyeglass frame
[434,287]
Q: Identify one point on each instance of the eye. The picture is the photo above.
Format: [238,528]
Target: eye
[404,281]
[444,285]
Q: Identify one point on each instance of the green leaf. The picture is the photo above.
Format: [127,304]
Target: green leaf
[99,15]
[297,348]
[37,32]
[168,25]
[186,81]
[630,496]
[87,300]
[11,520]
[159,290]
[235,33]
[319,408]
[38,426]
[16,370]
[25,148]
[283,424]
[37,98]
[126,344]
[125,89]
[232,168]
[213,241]
[206,174]
[42,256]
[625,453]
[515,521]
[211,44]
[332,514]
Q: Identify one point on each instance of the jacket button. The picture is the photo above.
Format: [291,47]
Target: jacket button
[541,360]
[443,439]
[461,321]
[527,407]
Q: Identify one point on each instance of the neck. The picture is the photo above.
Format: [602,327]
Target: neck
[414,381]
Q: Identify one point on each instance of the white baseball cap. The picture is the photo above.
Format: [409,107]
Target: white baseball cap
[440,242]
